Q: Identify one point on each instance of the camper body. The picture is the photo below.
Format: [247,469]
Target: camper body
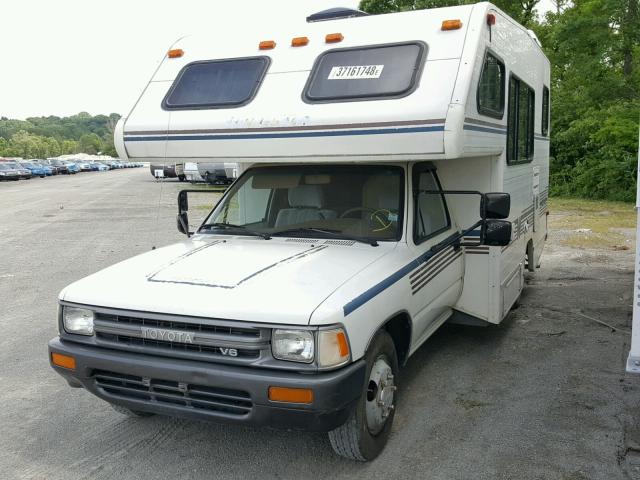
[360,224]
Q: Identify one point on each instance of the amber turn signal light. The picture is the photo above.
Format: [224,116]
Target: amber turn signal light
[451,24]
[333,38]
[175,53]
[290,395]
[299,41]
[64,361]
[267,45]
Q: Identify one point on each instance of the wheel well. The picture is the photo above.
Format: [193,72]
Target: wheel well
[399,327]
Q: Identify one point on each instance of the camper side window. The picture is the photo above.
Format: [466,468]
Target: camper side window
[545,111]
[490,93]
[216,84]
[520,121]
[431,215]
[365,73]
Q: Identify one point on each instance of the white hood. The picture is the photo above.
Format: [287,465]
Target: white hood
[235,278]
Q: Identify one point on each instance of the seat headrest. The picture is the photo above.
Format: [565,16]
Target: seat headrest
[381,191]
[306,196]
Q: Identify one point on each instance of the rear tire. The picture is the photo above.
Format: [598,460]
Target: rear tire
[363,436]
[130,413]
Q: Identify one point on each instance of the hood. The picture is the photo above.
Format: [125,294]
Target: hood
[236,278]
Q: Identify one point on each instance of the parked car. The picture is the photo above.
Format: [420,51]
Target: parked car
[35,168]
[99,166]
[23,173]
[7,173]
[48,169]
[84,166]
[72,167]
[59,165]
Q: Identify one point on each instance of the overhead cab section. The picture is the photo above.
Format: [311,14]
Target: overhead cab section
[374,87]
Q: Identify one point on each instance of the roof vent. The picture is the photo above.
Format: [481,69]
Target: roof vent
[335,14]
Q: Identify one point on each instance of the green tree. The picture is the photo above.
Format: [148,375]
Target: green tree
[521,10]
[90,143]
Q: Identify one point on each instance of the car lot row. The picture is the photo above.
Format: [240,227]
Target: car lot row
[12,169]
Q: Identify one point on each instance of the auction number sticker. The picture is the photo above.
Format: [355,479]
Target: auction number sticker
[355,72]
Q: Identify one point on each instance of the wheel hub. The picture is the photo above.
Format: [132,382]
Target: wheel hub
[380,395]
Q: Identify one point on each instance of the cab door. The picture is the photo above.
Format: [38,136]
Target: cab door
[435,284]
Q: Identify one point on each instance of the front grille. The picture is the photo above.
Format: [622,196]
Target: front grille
[199,339]
[197,397]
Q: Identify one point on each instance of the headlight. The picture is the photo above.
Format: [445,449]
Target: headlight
[77,320]
[333,348]
[293,345]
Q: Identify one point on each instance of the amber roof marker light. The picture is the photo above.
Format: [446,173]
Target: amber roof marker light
[333,38]
[299,41]
[267,45]
[451,25]
[175,53]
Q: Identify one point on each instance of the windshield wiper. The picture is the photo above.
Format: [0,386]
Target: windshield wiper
[231,226]
[333,233]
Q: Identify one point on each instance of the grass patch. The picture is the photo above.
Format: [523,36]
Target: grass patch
[594,224]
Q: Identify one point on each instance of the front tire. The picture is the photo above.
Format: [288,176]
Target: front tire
[365,433]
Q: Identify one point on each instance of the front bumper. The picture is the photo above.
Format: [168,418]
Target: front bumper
[335,393]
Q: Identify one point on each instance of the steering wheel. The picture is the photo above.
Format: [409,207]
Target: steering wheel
[378,219]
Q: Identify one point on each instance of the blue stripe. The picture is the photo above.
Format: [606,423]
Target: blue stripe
[473,233]
[254,136]
[379,288]
[387,282]
[484,129]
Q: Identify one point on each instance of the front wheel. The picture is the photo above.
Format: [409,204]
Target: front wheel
[365,433]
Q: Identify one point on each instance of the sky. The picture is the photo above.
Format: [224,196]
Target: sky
[61,57]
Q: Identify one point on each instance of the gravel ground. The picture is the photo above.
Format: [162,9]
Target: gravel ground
[542,396]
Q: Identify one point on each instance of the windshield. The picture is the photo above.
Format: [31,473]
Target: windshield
[4,166]
[301,201]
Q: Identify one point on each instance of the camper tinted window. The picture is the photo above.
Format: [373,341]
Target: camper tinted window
[491,87]
[520,122]
[217,83]
[545,111]
[365,73]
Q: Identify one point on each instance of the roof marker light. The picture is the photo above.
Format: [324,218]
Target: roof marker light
[299,41]
[175,53]
[267,45]
[491,19]
[451,24]
[333,38]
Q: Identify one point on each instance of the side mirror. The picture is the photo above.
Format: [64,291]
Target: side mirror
[182,221]
[183,201]
[496,233]
[495,205]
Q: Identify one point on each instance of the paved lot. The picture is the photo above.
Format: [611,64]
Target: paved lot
[543,396]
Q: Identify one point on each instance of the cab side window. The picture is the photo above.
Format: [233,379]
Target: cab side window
[490,93]
[431,215]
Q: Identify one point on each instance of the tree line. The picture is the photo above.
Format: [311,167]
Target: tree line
[594,50]
[43,137]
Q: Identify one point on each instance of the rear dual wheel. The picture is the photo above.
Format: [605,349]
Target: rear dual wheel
[365,433]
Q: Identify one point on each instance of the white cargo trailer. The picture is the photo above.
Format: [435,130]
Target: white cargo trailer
[363,218]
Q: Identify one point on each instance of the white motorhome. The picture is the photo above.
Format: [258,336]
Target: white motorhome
[365,217]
